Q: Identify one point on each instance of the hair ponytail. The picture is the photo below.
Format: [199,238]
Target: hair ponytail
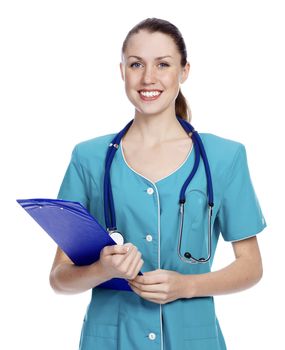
[182,108]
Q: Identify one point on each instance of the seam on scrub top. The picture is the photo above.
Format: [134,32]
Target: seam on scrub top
[160,306]
[158,210]
[76,159]
[227,182]
[80,173]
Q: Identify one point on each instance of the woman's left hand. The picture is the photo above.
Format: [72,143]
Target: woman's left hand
[160,286]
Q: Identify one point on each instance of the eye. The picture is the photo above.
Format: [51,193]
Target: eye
[134,64]
[166,64]
[162,63]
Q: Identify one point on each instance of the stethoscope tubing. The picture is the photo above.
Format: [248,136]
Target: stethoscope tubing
[199,152]
[108,195]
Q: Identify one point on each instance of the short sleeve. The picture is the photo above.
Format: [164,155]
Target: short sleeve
[73,186]
[240,215]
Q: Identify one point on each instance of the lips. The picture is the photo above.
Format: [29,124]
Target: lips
[145,90]
[149,98]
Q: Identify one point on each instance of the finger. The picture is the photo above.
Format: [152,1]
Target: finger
[156,287]
[136,264]
[132,263]
[128,259]
[116,249]
[151,288]
[151,277]
[154,297]
[140,265]
[131,253]
[122,261]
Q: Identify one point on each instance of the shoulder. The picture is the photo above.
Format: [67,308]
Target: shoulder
[221,147]
[223,154]
[95,147]
[219,143]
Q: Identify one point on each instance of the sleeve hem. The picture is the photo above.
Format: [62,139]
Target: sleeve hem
[241,237]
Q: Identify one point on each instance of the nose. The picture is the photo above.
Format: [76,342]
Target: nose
[149,75]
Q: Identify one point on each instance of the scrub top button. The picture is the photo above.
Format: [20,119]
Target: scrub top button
[149,238]
[151,336]
[150,190]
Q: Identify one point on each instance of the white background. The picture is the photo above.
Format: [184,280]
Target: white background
[60,84]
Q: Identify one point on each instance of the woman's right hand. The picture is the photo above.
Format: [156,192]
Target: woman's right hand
[121,261]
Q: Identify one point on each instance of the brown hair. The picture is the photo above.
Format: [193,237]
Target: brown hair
[152,25]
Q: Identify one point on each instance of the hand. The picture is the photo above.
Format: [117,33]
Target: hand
[121,261]
[160,286]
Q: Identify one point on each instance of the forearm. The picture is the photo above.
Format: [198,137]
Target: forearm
[71,279]
[243,273]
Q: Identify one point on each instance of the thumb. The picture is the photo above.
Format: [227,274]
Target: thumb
[116,249]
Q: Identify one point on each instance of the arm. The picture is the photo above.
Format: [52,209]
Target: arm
[67,278]
[121,261]
[241,274]
[164,286]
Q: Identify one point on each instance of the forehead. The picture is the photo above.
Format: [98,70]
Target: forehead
[151,45]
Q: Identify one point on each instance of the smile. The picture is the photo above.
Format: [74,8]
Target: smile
[149,95]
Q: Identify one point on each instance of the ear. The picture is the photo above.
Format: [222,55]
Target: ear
[122,71]
[184,73]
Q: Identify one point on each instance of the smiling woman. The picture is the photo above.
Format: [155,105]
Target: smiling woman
[170,306]
[142,61]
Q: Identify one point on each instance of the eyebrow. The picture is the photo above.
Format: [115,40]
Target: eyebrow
[157,58]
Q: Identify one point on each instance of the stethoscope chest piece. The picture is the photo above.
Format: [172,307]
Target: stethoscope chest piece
[117,237]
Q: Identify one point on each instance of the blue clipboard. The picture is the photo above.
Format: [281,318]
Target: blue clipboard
[75,231]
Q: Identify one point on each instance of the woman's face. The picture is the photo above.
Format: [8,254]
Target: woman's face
[151,71]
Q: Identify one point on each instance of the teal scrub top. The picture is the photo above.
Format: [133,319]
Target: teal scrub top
[147,214]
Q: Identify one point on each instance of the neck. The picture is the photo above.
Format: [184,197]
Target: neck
[150,130]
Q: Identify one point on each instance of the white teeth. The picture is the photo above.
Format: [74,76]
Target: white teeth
[150,94]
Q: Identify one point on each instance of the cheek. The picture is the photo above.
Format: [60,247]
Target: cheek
[171,80]
[131,85]
[131,79]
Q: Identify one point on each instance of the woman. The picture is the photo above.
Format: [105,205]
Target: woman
[171,306]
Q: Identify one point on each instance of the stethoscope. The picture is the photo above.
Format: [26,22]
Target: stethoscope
[199,152]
